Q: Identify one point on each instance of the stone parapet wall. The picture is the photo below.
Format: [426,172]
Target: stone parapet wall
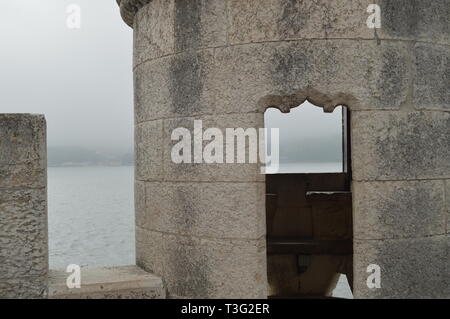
[23,206]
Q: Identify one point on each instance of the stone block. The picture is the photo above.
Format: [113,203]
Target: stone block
[275,20]
[432,81]
[140,201]
[200,24]
[415,20]
[149,150]
[196,267]
[23,225]
[23,206]
[217,172]
[400,145]
[166,27]
[447,197]
[226,210]
[22,139]
[23,288]
[154,31]
[149,250]
[174,86]
[406,209]
[31,174]
[410,268]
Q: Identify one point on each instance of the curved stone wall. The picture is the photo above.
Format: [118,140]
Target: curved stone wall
[202,226]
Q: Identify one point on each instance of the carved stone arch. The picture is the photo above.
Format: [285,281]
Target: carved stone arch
[328,102]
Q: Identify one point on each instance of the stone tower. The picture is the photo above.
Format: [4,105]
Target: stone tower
[202,227]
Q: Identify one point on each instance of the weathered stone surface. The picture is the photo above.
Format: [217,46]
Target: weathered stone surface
[210,268]
[219,172]
[398,209]
[166,27]
[410,268]
[400,145]
[23,225]
[447,197]
[235,79]
[154,31]
[140,200]
[275,20]
[23,288]
[129,8]
[174,86]
[125,282]
[200,23]
[432,81]
[29,174]
[22,139]
[23,158]
[226,210]
[149,150]
[366,75]
[149,250]
[415,20]
[23,206]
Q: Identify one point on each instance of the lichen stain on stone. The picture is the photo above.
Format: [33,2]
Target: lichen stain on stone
[391,80]
[289,67]
[408,18]
[293,18]
[185,84]
[406,145]
[189,269]
[400,17]
[187,24]
[189,209]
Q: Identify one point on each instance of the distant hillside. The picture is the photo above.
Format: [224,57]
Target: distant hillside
[77,156]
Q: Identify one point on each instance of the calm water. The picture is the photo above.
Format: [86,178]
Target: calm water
[91,218]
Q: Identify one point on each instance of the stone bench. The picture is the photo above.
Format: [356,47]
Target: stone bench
[126,282]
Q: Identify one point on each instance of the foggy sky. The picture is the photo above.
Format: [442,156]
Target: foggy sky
[82,79]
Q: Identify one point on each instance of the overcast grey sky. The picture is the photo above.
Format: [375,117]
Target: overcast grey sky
[81,79]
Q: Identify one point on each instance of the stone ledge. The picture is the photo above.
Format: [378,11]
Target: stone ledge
[129,8]
[125,282]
